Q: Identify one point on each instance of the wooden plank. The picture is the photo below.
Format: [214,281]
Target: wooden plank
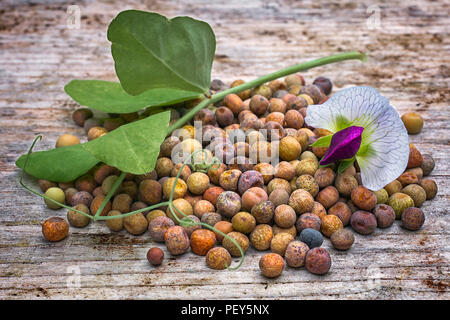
[39,54]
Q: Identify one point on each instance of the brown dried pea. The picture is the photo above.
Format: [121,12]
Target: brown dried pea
[55,229]
[122,203]
[328,197]
[417,193]
[240,238]
[430,188]
[154,214]
[135,224]
[271,265]
[96,203]
[115,224]
[180,188]
[182,205]
[77,219]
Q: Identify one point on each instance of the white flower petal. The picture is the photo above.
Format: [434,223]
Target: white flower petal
[384,131]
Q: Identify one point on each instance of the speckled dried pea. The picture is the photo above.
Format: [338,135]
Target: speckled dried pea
[301,201]
[308,221]
[306,166]
[393,187]
[147,194]
[158,227]
[177,240]
[96,203]
[308,183]
[114,224]
[278,183]
[324,177]
[413,122]
[284,216]
[243,222]
[202,241]
[240,238]
[382,196]
[218,258]
[223,226]
[330,224]
[211,218]
[263,212]
[261,237]
[399,202]
[415,158]
[135,224]
[408,178]
[279,243]
[318,261]
[229,179]
[182,205]
[203,206]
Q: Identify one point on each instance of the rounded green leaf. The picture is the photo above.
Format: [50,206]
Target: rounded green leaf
[110,97]
[60,164]
[133,147]
[151,51]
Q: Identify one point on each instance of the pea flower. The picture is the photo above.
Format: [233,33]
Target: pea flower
[365,128]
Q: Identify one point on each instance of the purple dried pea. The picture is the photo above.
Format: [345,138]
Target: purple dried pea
[384,214]
[158,227]
[363,222]
[308,221]
[228,204]
[318,261]
[249,179]
[412,218]
[81,197]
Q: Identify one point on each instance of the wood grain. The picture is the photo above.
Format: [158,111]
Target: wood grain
[408,63]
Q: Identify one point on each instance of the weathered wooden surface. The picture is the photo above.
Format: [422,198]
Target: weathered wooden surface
[408,62]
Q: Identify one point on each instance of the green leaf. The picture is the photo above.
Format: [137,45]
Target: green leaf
[151,52]
[60,165]
[133,147]
[324,141]
[345,164]
[110,97]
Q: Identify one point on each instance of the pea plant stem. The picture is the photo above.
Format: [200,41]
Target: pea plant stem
[111,192]
[353,55]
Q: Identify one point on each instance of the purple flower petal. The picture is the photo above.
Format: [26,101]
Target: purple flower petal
[344,145]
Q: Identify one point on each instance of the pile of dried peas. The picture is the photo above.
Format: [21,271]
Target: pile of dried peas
[286,208]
